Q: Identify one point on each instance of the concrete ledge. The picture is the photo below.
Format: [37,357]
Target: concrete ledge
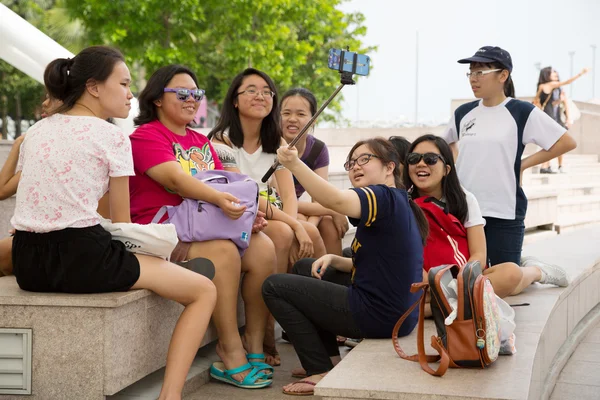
[373,370]
[91,346]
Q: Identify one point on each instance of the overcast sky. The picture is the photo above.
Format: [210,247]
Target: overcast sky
[531,30]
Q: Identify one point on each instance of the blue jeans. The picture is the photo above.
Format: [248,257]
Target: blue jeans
[504,240]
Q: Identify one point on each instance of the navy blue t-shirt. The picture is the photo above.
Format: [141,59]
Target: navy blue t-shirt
[387,254]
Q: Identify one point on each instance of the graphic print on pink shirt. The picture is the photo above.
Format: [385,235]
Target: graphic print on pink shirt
[154,144]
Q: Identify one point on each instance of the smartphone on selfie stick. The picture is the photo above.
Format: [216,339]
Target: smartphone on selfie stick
[347,64]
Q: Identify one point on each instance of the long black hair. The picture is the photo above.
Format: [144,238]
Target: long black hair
[154,90]
[270,129]
[387,153]
[456,200]
[509,86]
[66,78]
[402,145]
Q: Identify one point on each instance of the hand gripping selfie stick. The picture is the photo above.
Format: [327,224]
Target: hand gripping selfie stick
[346,79]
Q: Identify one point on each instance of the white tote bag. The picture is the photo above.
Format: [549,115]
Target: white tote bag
[156,240]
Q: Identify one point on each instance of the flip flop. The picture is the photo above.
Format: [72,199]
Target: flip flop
[202,266]
[254,380]
[311,393]
[260,365]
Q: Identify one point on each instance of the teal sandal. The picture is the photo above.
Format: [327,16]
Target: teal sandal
[254,380]
[261,365]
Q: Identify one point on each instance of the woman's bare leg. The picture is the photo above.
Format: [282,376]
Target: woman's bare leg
[259,262]
[6,266]
[330,236]
[198,295]
[226,258]
[505,278]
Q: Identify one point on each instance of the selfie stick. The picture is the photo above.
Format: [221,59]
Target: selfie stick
[346,79]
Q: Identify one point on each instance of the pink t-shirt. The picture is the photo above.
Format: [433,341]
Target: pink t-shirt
[66,162]
[154,144]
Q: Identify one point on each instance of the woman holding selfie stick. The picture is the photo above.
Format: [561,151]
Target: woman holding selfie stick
[387,260]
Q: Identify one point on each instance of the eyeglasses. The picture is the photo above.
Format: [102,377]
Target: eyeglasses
[360,160]
[429,158]
[479,74]
[183,94]
[266,93]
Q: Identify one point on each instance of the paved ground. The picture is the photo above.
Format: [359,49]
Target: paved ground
[580,379]
[221,391]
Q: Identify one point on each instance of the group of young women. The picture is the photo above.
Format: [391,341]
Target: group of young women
[74,166]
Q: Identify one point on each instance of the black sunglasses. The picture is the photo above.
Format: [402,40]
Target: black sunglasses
[429,158]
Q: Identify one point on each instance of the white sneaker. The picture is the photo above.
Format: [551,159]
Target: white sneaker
[551,274]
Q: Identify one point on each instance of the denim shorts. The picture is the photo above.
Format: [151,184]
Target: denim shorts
[504,240]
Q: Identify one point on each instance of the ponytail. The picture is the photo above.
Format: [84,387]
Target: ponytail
[66,78]
[422,223]
[56,78]
[509,87]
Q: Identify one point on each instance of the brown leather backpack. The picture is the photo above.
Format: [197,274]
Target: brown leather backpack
[472,339]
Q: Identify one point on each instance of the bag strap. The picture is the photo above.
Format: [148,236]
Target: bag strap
[421,357]
[314,153]
[159,215]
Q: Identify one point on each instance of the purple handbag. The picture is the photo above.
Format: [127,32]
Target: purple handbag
[199,221]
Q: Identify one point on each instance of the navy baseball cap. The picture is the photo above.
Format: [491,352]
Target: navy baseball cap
[489,54]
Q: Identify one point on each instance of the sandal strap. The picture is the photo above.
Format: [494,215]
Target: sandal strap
[262,366]
[253,376]
[308,382]
[258,356]
[237,370]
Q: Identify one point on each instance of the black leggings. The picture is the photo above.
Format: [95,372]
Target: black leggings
[312,312]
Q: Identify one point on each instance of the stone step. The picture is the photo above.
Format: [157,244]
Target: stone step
[561,179]
[536,235]
[578,204]
[579,189]
[573,221]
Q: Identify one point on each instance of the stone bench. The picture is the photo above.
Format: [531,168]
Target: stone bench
[547,332]
[90,346]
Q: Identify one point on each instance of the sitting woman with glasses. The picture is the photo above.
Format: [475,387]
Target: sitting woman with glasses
[297,108]
[387,259]
[246,139]
[167,154]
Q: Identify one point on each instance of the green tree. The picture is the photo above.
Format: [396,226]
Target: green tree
[288,39]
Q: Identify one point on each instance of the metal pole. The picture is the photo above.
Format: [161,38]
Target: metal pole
[593,71]
[417,81]
[571,54]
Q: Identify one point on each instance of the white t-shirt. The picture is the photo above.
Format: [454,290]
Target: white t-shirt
[254,165]
[491,141]
[66,162]
[474,216]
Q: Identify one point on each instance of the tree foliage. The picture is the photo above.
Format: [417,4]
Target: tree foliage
[288,39]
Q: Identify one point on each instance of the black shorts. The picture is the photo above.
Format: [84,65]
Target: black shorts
[73,260]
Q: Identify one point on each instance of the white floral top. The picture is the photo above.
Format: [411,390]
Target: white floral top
[66,162]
